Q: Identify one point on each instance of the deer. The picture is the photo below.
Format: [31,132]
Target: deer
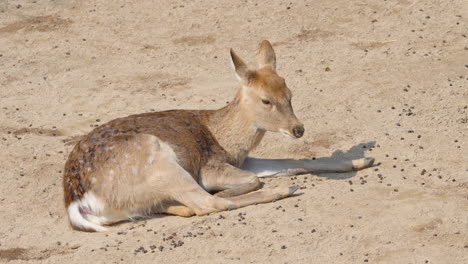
[189,162]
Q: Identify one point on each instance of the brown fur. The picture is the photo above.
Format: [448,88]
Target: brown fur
[183,130]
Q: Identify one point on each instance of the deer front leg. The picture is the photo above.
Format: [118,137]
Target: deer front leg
[288,167]
[227,180]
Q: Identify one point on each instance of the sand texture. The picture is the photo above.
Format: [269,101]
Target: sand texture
[385,79]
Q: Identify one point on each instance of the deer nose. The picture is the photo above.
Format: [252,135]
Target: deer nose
[298,131]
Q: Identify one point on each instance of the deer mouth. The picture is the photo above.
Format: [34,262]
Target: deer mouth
[287,133]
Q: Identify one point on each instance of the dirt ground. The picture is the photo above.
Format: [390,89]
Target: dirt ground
[386,79]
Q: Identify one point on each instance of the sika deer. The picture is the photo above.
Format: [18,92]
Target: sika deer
[170,162]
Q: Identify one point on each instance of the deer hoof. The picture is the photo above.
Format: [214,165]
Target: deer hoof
[363,163]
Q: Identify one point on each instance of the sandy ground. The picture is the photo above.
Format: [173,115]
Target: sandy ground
[386,79]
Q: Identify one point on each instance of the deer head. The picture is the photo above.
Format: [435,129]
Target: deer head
[264,96]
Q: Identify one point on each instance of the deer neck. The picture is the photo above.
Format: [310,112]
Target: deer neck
[233,128]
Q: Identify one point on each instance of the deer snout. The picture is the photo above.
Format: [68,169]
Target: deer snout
[298,131]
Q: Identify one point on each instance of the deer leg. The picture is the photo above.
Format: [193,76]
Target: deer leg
[235,185]
[186,196]
[169,179]
[265,195]
[201,204]
[241,189]
[227,180]
[180,210]
[287,167]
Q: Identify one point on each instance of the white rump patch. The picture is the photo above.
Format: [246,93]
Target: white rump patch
[89,200]
[78,212]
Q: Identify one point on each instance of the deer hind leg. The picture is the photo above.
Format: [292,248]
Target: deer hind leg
[180,210]
[265,195]
[150,180]
[203,203]
[136,176]
[175,188]
[227,180]
[200,204]
[196,200]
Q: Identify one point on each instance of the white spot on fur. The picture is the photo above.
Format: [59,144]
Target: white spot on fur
[93,180]
[111,172]
[168,151]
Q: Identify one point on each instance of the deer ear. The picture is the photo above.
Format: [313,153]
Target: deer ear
[266,55]
[243,73]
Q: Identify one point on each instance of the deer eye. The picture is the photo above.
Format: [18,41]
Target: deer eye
[267,102]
